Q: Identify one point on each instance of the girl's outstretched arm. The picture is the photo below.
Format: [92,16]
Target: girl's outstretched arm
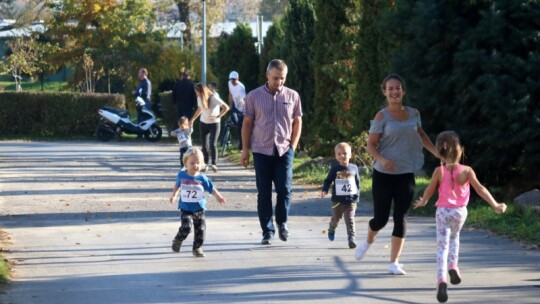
[484,193]
[430,190]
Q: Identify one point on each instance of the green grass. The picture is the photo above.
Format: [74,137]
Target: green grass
[4,271]
[4,265]
[313,175]
[522,227]
[36,86]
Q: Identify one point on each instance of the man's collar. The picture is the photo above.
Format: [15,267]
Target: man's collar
[268,90]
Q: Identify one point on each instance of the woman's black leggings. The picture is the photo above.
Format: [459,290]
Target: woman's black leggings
[388,187]
[209,138]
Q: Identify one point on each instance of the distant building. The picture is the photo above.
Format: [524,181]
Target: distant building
[217,29]
[8,32]
[224,27]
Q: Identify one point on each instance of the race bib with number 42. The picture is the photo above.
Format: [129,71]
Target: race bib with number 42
[346,187]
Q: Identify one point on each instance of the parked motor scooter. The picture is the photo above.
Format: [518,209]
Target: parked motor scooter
[115,121]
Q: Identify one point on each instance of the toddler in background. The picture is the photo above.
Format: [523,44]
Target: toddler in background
[183,133]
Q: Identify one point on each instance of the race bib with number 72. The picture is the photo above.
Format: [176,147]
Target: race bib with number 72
[191,193]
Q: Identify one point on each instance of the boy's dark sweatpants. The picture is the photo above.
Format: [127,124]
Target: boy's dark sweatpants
[196,220]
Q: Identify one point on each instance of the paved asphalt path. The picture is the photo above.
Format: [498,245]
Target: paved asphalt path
[87,222]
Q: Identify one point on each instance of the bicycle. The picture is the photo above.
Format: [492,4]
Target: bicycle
[227,138]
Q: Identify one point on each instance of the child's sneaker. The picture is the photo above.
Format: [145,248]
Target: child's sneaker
[176,245]
[352,242]
[331,235]
[442,296]
[396,269]
[199,253]
[361,250]
[455,278]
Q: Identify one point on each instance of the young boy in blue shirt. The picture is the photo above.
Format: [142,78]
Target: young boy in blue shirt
[192,185]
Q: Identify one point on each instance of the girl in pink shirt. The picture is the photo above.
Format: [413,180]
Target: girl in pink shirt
[453,181]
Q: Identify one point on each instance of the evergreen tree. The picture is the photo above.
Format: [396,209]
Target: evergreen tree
[297,52]
[334,45]
[237,52]
[372,62]
[272,47]
[472,67]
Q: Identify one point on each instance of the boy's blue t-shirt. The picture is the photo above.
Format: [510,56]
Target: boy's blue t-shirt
[192,190]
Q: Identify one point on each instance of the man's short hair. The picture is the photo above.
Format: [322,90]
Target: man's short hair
[276,64]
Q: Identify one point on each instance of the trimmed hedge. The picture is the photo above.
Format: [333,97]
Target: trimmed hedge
[168,110]
[53,113]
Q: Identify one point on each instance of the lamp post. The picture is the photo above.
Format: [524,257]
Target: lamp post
[203,63]
[180,27]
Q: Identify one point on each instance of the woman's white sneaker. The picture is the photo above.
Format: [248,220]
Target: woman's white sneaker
[396,269]
[361,250]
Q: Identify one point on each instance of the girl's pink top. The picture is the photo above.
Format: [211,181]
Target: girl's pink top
[452,197]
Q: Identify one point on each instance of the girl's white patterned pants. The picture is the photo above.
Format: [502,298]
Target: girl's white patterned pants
[449,224]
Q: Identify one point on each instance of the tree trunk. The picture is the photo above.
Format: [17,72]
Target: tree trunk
[108,80]
[183,11]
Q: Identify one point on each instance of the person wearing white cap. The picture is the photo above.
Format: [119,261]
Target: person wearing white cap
[237,94]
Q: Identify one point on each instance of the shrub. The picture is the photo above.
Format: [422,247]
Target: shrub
[52,113]
[361,156]
[168,110]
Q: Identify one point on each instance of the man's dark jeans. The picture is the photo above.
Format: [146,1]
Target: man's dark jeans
[238,119]
[147,105]
[277,170]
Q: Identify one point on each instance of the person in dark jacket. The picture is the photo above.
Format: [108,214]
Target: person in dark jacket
[184,96]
